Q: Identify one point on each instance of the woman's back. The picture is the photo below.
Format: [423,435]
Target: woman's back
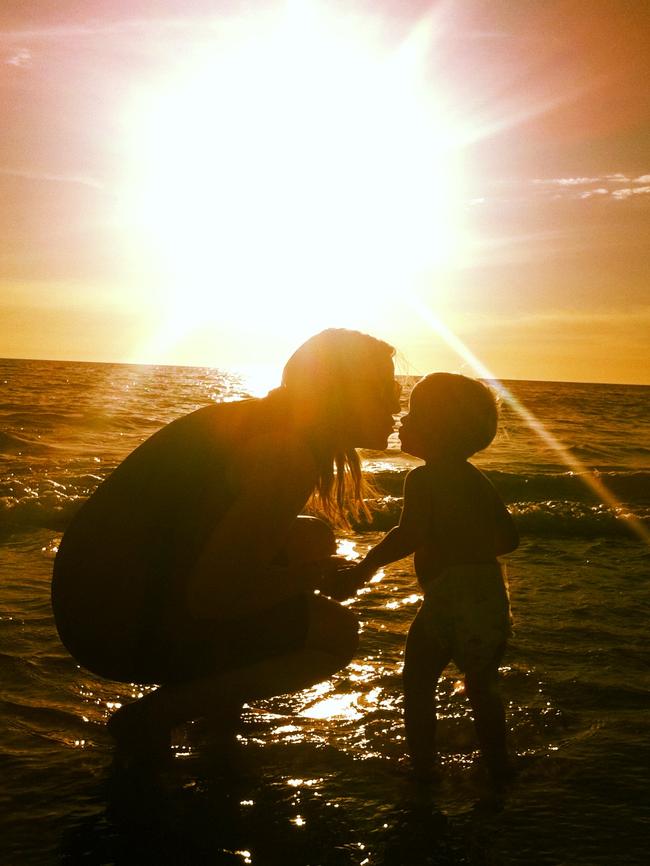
[124,556]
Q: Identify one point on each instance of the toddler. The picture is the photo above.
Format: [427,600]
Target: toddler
[456,524]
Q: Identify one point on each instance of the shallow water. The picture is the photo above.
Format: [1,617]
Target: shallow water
[319,777]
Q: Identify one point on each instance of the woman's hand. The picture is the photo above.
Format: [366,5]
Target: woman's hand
[342,578]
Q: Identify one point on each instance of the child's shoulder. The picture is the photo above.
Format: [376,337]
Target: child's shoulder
[447,474]
[418,480]
[418,475]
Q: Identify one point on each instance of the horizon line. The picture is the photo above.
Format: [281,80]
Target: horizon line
[234,369]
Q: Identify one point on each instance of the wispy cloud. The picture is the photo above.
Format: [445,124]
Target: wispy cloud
[630,191]
[565,181]
[56,33]
[22,57]
[615,186]
[51,177]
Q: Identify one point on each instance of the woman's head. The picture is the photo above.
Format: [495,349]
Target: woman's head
[449,414]
[342,383]
[343,394]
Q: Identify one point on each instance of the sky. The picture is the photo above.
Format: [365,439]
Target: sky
[210,183]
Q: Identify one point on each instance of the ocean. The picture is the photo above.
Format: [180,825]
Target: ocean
[320,776]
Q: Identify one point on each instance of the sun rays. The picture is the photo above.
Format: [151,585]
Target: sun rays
[584,473]
[299,170]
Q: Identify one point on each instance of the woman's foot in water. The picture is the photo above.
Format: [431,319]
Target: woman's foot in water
[215,736]
[140,738]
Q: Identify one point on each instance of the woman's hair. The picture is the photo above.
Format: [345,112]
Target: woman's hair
[463,411]
[320,376]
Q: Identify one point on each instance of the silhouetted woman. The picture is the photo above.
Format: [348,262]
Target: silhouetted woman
[189,566]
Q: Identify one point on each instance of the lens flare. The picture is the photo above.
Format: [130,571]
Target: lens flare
[586,475]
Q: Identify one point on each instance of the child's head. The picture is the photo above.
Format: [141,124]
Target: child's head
[449,414]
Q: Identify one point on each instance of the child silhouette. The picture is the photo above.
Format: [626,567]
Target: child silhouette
[456,524]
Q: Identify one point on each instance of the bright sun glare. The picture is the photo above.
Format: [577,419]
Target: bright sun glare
[296,171]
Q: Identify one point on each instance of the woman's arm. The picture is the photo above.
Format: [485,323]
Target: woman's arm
[275,476]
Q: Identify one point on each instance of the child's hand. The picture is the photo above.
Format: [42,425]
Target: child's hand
[344,578]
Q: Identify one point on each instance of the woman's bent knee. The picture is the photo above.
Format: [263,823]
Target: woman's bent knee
[310,540]
[332,629]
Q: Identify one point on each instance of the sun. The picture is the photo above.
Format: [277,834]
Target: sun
[295,171]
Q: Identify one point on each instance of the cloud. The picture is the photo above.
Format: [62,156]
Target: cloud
[615,186]
[84,180]
[565,181]
[612,187]
[57,32]
[589,193]
[630,191]
[22,58]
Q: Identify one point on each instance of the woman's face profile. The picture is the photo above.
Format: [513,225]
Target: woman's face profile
[372,403]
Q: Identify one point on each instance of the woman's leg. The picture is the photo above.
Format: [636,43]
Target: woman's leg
[331,641]
[310,540]
[424,661]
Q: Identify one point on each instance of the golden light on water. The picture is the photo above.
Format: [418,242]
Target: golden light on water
[407,600]
[343,706]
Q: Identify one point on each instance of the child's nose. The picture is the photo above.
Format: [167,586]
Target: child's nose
[397,393]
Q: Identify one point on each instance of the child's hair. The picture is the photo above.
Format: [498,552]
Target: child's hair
[322,375]
[465,411]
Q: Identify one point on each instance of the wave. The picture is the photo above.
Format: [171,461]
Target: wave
[542,505]
[576,519]
[559,518]
[53,512]
[10,443]
[627,487]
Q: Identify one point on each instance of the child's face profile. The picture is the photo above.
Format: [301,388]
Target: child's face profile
[450,416]
[421,433]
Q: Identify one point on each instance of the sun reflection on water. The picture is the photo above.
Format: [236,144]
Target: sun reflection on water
[336,707]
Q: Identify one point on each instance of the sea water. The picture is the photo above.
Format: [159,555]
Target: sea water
[320,777]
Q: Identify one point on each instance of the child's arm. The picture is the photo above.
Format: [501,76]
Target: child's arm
[399,542]
[411,532]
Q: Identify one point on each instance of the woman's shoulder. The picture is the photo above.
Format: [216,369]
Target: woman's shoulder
[256,431]
[216,422]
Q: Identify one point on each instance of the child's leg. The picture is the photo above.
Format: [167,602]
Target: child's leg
[424,661]
[482,689]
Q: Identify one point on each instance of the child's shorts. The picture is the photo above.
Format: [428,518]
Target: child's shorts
[466,611]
